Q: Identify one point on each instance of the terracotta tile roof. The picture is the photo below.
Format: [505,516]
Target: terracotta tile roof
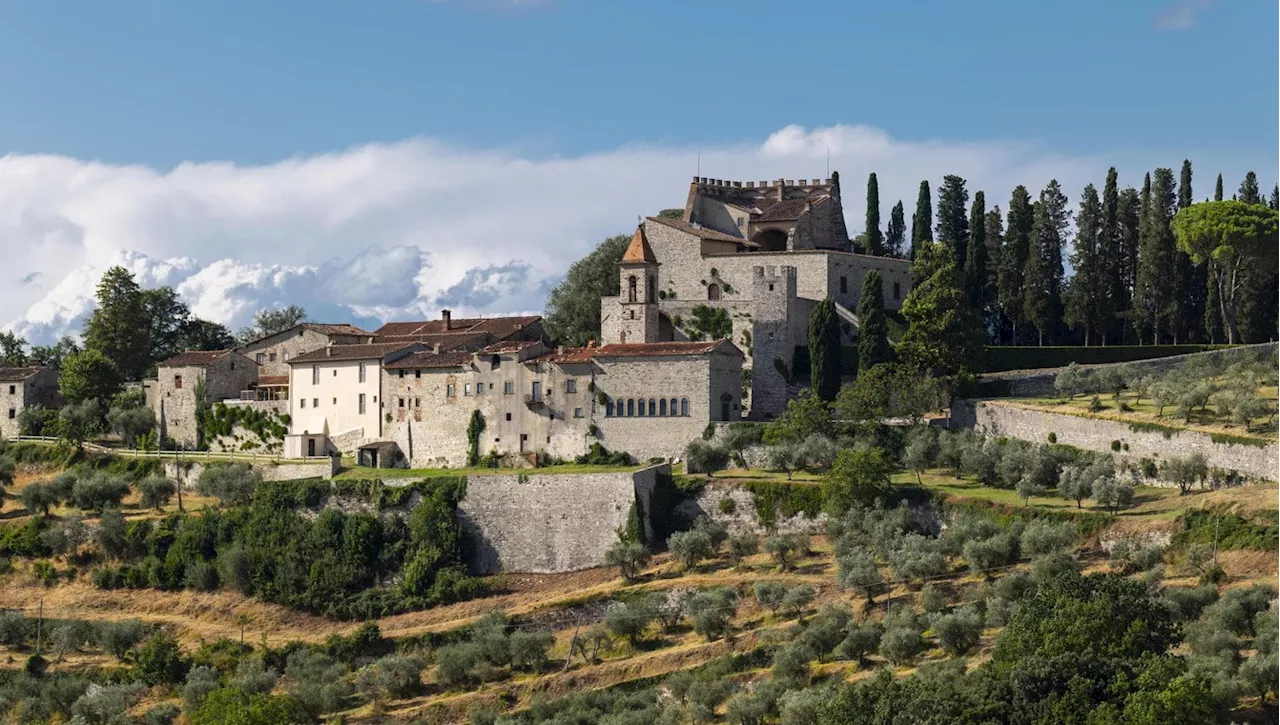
[788,210]
[699,232]
[448,341]
[373,351]
[197,358]
[640,349]
[341,328]
[639,251]
[500,327]
[508,346]
[14,375]
[429,360]
[267,381]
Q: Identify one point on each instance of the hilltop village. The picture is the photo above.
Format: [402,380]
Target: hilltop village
[407,393]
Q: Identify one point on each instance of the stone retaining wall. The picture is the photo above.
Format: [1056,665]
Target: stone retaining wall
[996,418]
[186,473]
[549,523]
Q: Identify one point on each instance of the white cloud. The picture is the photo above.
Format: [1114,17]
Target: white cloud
[1181,15]
[402,229]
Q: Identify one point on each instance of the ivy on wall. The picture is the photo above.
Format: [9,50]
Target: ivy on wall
[221,420]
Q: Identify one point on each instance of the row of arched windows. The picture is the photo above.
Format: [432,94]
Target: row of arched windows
[646,408]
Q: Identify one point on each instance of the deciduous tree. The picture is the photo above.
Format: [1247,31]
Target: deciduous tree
[573,308]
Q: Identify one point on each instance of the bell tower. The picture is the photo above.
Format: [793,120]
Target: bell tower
[638,300]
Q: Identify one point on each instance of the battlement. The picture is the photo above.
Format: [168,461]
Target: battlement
[704,182]
[785,272]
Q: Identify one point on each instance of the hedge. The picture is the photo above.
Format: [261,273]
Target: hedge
[1008,357]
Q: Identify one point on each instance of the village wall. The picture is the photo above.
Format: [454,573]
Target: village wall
[996,419]
[551,523]
[186,472]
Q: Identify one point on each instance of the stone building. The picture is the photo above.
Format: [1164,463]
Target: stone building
[22,387]
[272,352]
[462,334]
[647,399]
[335,404]
[221,374]
[765,254]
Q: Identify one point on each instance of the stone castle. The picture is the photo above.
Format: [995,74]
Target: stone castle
[713,307]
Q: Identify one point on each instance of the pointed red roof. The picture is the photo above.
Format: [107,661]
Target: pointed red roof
[639,251]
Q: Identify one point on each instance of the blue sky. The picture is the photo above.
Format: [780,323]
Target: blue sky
[159,82]
[382,159]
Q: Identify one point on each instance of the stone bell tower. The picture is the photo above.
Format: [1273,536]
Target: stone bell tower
[637,302]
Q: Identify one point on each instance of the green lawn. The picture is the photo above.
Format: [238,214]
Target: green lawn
[1149,501]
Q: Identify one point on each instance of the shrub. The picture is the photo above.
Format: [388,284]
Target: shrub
[201,680]
[120,637]
[629,620]
[629,556]
[784,548]
[106,703]
[97,491]
[232,484]
[727,506]
[1041,537]
[38,498]
[316,681]
[689,547]
[159,662]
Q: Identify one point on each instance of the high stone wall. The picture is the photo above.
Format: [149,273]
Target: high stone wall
[1001,419]
[549,523]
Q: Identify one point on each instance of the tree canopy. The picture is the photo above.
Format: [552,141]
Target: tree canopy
[573,308]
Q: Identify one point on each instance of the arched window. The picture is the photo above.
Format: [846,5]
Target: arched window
[608,409]
[631,288]
[640,407]
[713,291]
[674,407]
[653,407]
[684,406]
[631,407]
[662,407]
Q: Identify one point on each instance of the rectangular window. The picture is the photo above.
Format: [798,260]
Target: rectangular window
[13,389]
[466,388]
[417,374]
[417,402]
[13,413]
[897,290]
[401,373]
[577,412]
[259,358]
[362,372]
[362,404]
[741,221]
[536,390]
[508,388]
[286,357]
[399,402]
[844,285]
[479,388]
[271,357]
[448,390]
[177,382]
[571,386]
[335,401]
[315,402]
[315,374]
[508,416]
[302,403]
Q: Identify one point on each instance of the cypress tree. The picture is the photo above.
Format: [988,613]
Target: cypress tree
[1213,315]
[1153,308]
[824,350]
[873,330]
[1275,197]
[922,220]
[1217,189]
[1013,259]
[1111,251]
[1088,295]
[1184,185]
[1128,216]
[875,240]
[975,263]
[1042,298]
[953,224]
[993,231]
[896,234]
[1249,191]
[944,335]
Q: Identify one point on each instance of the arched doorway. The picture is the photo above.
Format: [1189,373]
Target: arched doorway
[771,240]
[713,291]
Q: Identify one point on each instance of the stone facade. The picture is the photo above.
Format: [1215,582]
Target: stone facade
[779,215]
[272,353]
[551,523]
[23,387]
[223,374]
[1002,419]
[533,400]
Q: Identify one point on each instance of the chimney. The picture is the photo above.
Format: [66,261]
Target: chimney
[328,350]
[447,316]
[591,343]
[436,347]
[559,349]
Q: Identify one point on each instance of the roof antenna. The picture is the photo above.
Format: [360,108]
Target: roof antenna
[828,162]
[699,174]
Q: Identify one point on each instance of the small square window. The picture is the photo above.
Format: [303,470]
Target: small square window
[577,412]
[571,386]
[508,416]
[417,373]
[177,382]
[399,402]
[402,373]
[272,357]
[508,388]
[13,413]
